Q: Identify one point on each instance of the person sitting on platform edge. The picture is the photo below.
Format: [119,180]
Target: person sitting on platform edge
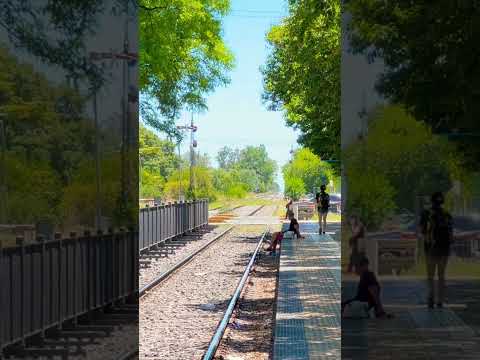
[294,226]
[368,291]
[277,237]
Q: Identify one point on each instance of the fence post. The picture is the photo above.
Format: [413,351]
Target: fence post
[2,294]
[87,275]
[175,215]
[58,239]
[21,244]
[73,236]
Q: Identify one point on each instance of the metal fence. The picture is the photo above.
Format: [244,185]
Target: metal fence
[161,223]
[49,282]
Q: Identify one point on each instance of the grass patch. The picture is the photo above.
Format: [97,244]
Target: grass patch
[456,268]
[331,217]
[225,204]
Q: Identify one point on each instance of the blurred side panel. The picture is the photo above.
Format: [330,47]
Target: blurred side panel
[68,179]
[411,231]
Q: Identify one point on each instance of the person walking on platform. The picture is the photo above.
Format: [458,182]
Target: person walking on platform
[322,200]
[436,229]
[358,233]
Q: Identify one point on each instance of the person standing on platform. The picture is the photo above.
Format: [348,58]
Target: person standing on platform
[358,233]
[436,228]
[289,208]
[322,200]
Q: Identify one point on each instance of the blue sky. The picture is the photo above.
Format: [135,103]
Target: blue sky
[236,115]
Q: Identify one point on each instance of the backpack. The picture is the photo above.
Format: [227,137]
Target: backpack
[438,229]
[324,201]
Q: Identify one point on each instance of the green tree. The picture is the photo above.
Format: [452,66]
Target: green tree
[370,196]
[405,152]
[294,188]
[255,158]
[182,57]
[157,160]
[57,32]
[155,154]
[227,157]
[179,182]
[47,141]
[431,60]
[302,73]
[308,167]
[247,177]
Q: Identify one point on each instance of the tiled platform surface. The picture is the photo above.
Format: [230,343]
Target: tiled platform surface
[416,332]
[308,305]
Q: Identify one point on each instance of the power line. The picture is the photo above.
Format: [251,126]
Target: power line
[257,11]
[257,17]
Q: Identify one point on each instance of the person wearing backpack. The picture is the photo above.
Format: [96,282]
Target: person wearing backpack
[322,200]
[436,228]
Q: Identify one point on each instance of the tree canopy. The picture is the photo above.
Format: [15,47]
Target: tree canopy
[182,57]
[48,151]
[227,157]
[305,173]
[431,54]
[308,167]
[398,152]
[251,165]
[302,73]
[57,32]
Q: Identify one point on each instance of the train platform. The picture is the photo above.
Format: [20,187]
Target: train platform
[416,332]
[307,324]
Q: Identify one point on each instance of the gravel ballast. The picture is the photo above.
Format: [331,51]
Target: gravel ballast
[173,253]
[249,335]
[179,317]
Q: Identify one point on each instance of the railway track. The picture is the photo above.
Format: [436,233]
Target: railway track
[222,217]
[197,290]
[151,284]
[217,337]
[146,288]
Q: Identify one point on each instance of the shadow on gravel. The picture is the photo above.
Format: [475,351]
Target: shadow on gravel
[251,329]
[168,248]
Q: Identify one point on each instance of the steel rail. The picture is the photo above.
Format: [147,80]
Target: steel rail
[217,337]
[144,290]
[256,210]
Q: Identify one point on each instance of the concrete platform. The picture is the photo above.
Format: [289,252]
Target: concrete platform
[416,332]
[308,305]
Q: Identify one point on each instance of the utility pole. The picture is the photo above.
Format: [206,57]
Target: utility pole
[3,172]
[129,59]
[192,157]
[180,195]
[193,144]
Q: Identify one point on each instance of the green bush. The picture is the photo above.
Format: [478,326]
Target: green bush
[371,197]
[294,187]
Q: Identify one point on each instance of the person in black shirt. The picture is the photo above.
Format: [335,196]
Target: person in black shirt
[436,228]
[368,290]
[322,200]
